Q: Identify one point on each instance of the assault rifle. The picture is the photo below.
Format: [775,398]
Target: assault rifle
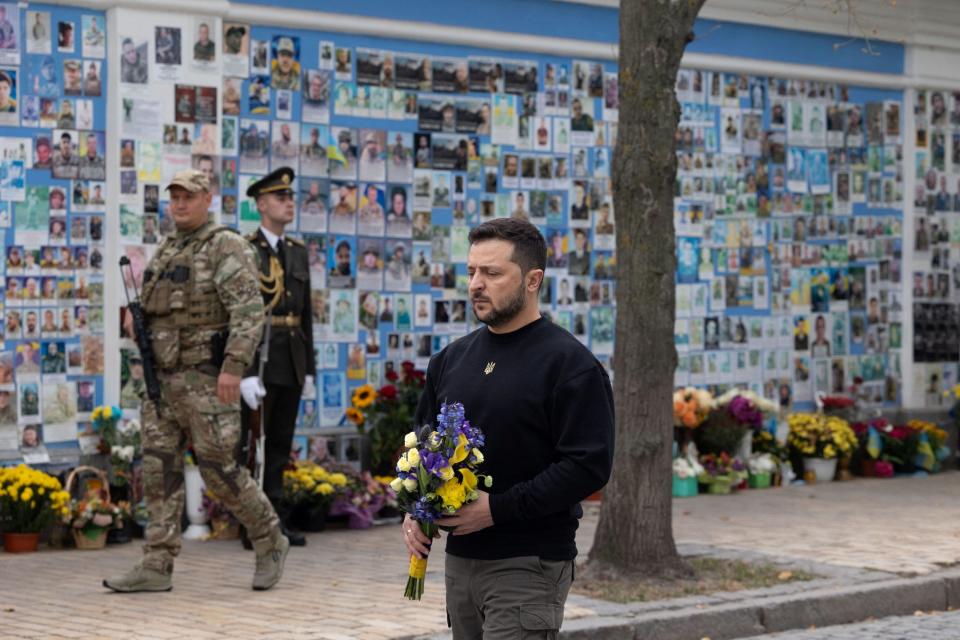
[142,336]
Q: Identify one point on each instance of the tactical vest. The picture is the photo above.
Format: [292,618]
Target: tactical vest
[183,312]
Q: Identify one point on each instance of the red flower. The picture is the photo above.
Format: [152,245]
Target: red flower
[406,365]
[388,392]
[392,376]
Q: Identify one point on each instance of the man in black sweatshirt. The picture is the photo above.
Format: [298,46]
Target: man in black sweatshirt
[545,405]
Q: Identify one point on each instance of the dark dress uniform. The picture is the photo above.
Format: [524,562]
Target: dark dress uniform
[291,357]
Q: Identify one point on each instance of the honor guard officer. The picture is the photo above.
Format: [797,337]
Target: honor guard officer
[204,315]
[290,366]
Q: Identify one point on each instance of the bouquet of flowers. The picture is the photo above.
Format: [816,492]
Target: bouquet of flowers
[436,475]
[361,499]
[721,472]
[30,499]
[684,468]
[691,406]
[746,407]
[766,442]
[93,513]
[122,443]
[819,436]
[386,414]
[308,491]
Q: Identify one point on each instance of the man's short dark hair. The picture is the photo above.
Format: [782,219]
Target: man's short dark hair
[529,247]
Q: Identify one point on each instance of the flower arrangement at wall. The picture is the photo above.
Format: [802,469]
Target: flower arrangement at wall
[308,491]
[361,499]
[819,436]
[734,414]
[92,516]
[385,415]
[30,500]
[120,441]
[691,406]
[886,448]
[721,472]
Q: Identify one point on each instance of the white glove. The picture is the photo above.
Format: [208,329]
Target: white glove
[252,390]
[309,391]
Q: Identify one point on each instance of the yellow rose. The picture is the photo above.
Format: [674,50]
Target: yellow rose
[410,484]
[396,484]
[410,440]
[403,464]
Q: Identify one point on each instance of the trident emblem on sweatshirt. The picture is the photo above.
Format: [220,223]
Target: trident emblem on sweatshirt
[489,368]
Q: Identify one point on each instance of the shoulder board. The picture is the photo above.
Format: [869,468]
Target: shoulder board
[296,241]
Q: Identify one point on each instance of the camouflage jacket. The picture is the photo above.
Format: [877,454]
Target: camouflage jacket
[199,288]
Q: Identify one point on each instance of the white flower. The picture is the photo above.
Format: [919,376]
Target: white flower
[410,484]
[396,484]
[410,440]
[477,456]
[413,457]
[402,464]
[761,463]
[124,453]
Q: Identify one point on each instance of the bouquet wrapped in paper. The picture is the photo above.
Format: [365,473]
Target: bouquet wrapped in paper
[436,475]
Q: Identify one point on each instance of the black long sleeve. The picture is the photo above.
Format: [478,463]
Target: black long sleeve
[546,408]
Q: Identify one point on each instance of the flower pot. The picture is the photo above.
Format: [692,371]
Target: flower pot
[684,487]
[759,480]
[719,487]
[823,469]
[90,537]
[20,542]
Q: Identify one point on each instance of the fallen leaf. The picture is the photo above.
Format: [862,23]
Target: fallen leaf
[8,610]
[784,575]
[918,614]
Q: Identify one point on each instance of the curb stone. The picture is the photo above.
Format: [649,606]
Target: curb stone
[849,595]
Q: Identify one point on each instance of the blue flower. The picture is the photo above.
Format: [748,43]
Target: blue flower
[423,511]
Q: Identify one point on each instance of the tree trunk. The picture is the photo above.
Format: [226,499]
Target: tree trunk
[635,533]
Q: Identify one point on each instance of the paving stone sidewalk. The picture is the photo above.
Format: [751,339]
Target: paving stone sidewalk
[349,584]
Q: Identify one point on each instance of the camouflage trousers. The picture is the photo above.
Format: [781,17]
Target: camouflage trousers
[190,412]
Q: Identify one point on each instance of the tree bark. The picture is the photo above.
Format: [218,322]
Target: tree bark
[635,532]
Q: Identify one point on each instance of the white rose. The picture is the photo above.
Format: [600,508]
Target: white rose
[413,457]
[396,484]
[410,440]
[402,464]
[410,484]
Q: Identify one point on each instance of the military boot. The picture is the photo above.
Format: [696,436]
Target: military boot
[270,565]
[139,578]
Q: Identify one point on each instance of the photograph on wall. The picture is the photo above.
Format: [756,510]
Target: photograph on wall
[204,47]
[236,49]
[94,36]
[39,37]
[9,97]
[133,61]
[168,56]
[285,63]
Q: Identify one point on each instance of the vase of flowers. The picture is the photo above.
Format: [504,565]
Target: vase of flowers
[29,501]
[820,440]
[386,415]
[721,473]
[761,467]
[685,472]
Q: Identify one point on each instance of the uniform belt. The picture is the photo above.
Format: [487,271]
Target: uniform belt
[289,320]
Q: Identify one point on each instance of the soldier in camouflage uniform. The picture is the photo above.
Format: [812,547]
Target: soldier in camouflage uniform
[204,311]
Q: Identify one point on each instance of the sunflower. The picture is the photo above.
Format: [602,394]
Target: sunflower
[355,416]
[364,396]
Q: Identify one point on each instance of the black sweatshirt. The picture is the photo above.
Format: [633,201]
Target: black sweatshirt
[545,405]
